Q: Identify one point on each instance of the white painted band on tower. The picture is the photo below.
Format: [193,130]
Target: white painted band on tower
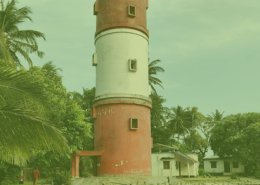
[122,63]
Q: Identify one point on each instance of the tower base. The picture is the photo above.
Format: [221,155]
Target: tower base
[123,134]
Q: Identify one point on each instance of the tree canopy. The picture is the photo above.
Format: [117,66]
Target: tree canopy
[238,136]
[24,125]
[15,42]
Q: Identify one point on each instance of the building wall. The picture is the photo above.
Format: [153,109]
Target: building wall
[122,90]
[220,167]
[114,48]
[192,169]
[157,166]
[114,14]
[124,151]
[240,169]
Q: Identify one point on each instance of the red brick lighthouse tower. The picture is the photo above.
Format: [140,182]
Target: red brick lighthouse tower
[122,105]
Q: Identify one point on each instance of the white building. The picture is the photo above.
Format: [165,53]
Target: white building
[222,166]
[174,164]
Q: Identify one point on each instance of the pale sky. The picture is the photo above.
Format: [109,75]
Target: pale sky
[210,49]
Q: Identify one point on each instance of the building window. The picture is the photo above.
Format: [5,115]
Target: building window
[132,65]
[133,123]
[131,11]
[166,165]
[235,165]
[213,164]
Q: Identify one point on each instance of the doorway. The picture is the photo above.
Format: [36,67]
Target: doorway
[226,167]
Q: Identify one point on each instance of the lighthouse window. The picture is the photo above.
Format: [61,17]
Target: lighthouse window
[95,11]
[133,123]
[132,65]
[131,11]
[94,59]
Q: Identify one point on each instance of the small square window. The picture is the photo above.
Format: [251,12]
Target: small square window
[94,59]
[131,11]
[213,164]
[235,165]
[133,123]
[132,65]
[95,10]
[166,165]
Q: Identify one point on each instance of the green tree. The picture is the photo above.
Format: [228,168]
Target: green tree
[238,136]
[69,117]
[24,124]
[14,41]
[210,122]
[250,150]
[86,101]
[159,127]
[184,125]
[178,121]
[153,70]
[184,120]
[197,143]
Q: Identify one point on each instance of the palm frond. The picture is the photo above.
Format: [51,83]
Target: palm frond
[19,82]
[22,52]
[23,123]
[153,69]
[15,39]
[28,35]
[5,55]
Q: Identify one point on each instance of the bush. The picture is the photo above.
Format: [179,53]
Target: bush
[86,167]
[233,176]
[8,174]
[61,178]
[8,182]
[201,172]
[257,173]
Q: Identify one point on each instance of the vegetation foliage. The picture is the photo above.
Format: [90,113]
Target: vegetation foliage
[14,41]
[24,126]
[41,123]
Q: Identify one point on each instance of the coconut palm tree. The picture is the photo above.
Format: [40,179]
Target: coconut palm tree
[24,127]
[16,42]
[178,120]
[153,69]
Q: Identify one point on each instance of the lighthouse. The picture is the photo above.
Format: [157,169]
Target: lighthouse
[122,105]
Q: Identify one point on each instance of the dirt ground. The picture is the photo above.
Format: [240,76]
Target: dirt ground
[164,181]
[218,181]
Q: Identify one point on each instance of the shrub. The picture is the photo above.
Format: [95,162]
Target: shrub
[257,173]
[201,172]
[233,176]
[61,178]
